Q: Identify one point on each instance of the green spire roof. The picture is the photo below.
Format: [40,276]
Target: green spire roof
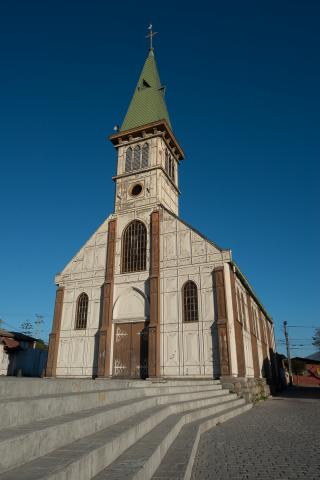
[147,104]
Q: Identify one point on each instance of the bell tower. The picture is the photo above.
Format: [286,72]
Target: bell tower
[148,152]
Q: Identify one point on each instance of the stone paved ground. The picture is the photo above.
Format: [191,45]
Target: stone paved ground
[277,439]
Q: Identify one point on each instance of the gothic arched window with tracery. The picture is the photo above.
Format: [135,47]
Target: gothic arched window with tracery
[190,302]
[82,311]
[134,248]
[129,159]
[136,157]
[145,155]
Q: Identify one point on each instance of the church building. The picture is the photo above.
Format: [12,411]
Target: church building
[148,295]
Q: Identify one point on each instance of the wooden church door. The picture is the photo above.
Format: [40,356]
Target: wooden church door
[130,350]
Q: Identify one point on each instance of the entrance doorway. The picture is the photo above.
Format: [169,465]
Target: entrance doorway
[130,359]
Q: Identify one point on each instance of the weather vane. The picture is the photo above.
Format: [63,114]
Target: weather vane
[150,35]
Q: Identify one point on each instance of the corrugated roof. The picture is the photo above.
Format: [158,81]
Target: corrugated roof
[148,104]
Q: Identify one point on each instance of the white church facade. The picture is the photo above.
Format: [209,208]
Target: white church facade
[148,295]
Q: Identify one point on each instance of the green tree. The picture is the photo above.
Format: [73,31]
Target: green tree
[316,338]
[41,345]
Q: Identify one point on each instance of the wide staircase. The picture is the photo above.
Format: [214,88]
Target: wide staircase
[83,429]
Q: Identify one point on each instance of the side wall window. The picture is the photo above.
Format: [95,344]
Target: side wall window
[190,302]
[244,318]
[82,311]
[239,307]
[134,248]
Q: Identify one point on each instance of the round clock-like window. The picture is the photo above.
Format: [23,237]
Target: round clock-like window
[136,189]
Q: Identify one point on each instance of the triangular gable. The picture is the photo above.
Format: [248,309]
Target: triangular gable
[91,255]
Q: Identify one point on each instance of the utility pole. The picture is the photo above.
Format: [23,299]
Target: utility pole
[288,351]
[38,325]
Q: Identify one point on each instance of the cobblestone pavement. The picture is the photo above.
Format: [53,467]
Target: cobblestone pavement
[277,439]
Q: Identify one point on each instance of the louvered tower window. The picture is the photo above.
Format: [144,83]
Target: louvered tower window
[169,165]
[190,302]
[167,162]
[129,159]
[172,170]
[136,157]
[82,311]
[145,155]
[134,248]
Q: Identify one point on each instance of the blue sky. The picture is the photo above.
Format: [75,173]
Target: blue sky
[243,96]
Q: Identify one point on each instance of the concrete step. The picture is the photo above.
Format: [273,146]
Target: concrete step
[86,457]
[178,462]
[184,381]
[141,460]
[27,442]
[12,387]
[20,411]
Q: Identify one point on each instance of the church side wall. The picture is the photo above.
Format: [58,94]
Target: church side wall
[77,352]
[187,348]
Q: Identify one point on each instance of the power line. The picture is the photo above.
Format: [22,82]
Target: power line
[25,314]
[302,326]
[297,340]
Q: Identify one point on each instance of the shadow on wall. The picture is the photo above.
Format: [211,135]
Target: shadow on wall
[215,350]
[214,335]
[270,372]
[97,334]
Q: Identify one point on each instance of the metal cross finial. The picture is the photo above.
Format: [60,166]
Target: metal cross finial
[150,35]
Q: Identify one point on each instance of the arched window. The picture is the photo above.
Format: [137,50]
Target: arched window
[244,319]
[190,302]
[82,311]
[136,157]
[145,155]
[253,320]
[257,326]
[239,307]
[129,159]
[134,248]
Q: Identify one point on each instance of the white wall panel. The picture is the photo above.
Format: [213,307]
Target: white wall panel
[191,348]
[171,349]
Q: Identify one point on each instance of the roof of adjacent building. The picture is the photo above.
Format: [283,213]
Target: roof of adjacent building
[17,336]
[148,104]
[315,356]
[307,359]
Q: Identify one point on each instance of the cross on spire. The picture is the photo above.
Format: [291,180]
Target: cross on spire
[150,35]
